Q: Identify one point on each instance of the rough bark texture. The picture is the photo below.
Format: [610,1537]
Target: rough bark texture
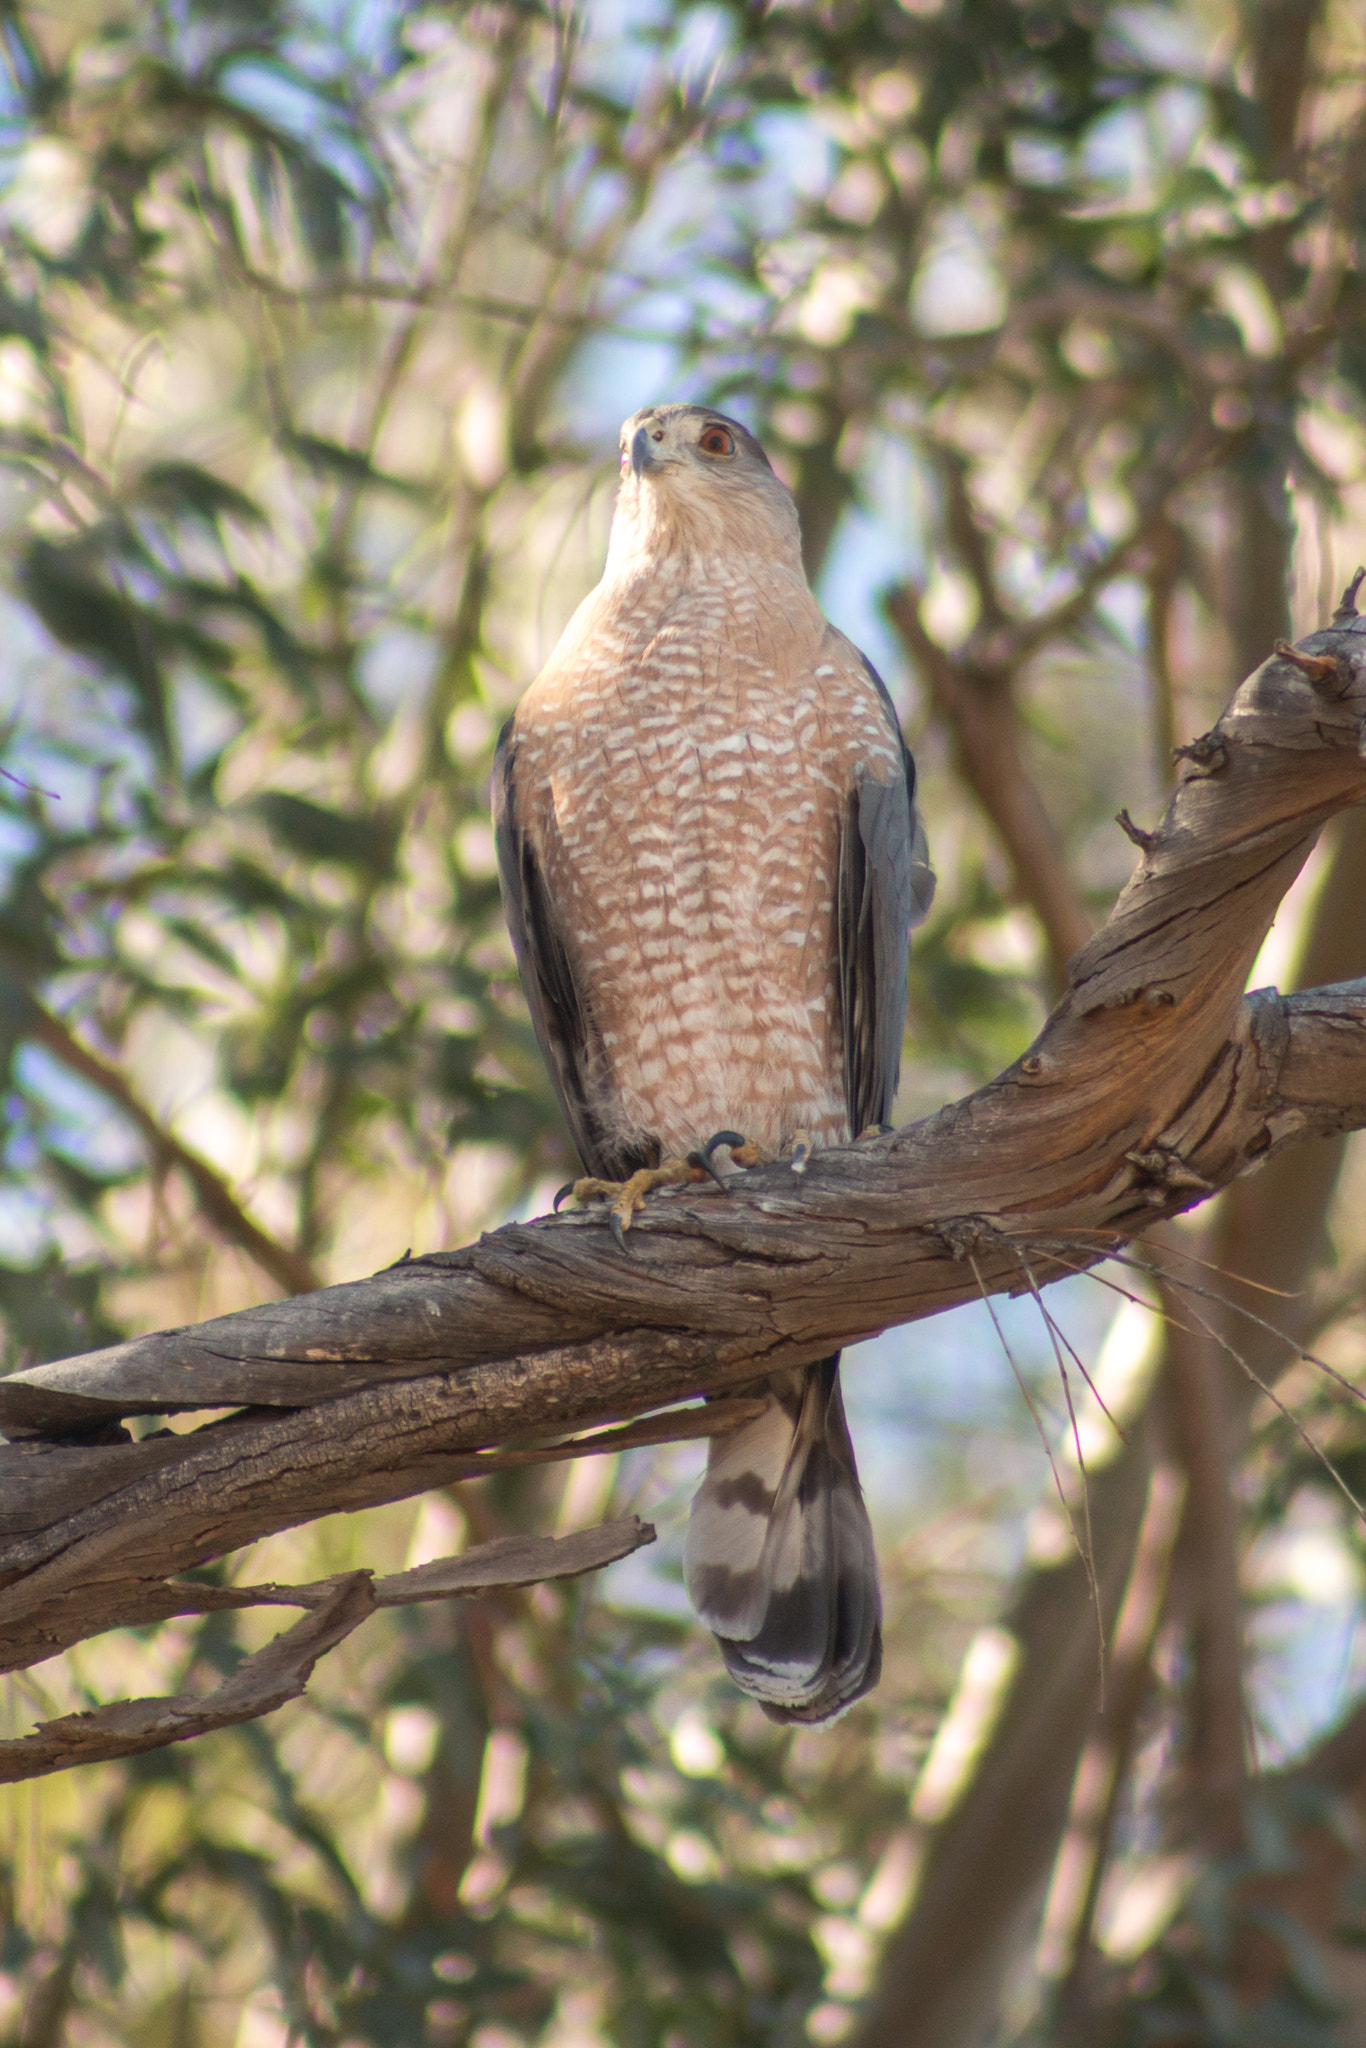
[1154,1082]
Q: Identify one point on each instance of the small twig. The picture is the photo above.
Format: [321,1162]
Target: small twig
[1296,1349]
[1224,1345]
[288,1268]
[1144,841]
[1087,1561]
[1090,1552]
[33,788]
[1347,609]
[1319,668]
[1111,1242]
[671,1426]
[281,1670]
[1060,1336]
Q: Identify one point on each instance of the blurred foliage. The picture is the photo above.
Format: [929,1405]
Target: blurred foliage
[316,320]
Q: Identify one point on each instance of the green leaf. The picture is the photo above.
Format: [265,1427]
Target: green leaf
[329,458]
[185,490]
[66,588]
[355,840]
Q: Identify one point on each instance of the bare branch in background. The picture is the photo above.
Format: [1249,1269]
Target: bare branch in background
[983,724]
[214,1198]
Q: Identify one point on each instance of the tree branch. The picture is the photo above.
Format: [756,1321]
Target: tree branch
[287,1268]
[979,712]
[1153,1083]
[281,1670]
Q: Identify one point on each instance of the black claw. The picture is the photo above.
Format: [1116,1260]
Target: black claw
[708,1165]
[567,1189]
[705,1158]
[731,1138]
[618,1230]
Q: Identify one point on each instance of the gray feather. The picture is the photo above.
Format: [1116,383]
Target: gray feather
[560,1017]
[885,887]
[779,1558]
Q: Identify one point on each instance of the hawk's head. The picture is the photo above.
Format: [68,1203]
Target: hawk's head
[696,481]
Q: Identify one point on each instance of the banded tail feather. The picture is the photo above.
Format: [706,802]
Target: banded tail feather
[779,1557]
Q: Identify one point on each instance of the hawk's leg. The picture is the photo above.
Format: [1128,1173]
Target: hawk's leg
[628,1196]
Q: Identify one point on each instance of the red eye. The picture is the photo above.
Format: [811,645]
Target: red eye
[716,441]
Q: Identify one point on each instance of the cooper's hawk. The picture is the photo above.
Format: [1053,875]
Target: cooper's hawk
[711,863]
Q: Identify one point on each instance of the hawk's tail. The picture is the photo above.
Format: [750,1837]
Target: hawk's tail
[779,1558]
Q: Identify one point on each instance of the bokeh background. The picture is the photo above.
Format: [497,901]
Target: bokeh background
[317,321]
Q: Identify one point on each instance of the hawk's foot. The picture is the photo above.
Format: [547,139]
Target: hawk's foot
[628,1196]
[744,1152]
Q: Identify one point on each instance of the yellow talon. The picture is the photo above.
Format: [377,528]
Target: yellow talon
[628,1196]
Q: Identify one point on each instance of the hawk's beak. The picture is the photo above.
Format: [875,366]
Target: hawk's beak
[641,456]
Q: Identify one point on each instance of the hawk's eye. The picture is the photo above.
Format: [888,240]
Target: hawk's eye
[716,441]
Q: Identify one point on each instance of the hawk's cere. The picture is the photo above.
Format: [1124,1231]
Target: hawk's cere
[711,864]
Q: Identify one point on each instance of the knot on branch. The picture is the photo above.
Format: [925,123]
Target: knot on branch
[1166,1173]
[961,1236]
[1207,755]
[1126,998]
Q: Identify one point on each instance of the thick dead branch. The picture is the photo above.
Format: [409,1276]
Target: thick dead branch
[1154,1080]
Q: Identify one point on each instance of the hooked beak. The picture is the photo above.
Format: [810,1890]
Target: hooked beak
[641,454]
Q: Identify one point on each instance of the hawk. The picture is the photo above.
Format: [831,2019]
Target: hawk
[711,863]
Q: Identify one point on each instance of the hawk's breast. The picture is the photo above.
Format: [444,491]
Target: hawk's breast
[686,779]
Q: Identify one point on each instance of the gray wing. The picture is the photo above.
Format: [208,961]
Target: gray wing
[560,1018]
[885,887]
